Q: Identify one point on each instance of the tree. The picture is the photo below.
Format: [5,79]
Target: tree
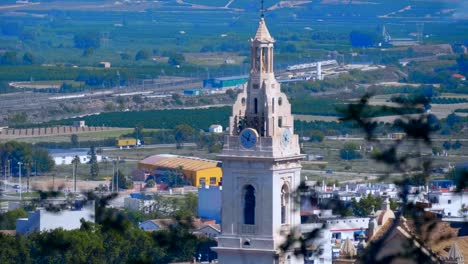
[457,145]
[462,63]
[316,135]
[122,181]
[9,58]
[8,219]
[125,56]
[176,59]
[28,58]
[182,134]
[94,169]
[88,52]
[74,140]
[142,55]
[350,151]
[85,40]
[42,160]
[150,184]
[173,178]
[231,93]
[446,145]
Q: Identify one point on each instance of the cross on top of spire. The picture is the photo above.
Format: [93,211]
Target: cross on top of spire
[262,10]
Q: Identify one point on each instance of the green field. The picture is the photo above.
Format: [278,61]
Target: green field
[314,28]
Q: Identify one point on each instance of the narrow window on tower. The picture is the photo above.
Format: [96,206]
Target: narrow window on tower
[273,105]
[280,121]
[249,205]
[284,204]
[257,60]
[264,59]
[255,106]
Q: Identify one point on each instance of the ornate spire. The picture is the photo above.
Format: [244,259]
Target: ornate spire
[348,250]
[454,254]
[263,35]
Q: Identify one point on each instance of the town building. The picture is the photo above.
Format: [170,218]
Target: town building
[444,199]
[105,64]
[79,123]
[66,156]
[43,220]
[197,172]
[225,82]
[261,168]
[193,92]
[215,128]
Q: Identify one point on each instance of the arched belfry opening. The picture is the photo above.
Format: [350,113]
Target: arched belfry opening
[249,205]
[285,204]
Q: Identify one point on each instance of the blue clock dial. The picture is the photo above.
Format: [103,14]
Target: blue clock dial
[285,137]
[248,138]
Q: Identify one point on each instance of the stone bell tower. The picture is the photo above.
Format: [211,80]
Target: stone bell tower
[261,167]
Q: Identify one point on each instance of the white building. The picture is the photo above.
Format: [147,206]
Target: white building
[66,156]
[43,220]
[216,128]
[448,203]
[261,168]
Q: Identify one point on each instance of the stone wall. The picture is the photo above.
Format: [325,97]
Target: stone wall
[11,133]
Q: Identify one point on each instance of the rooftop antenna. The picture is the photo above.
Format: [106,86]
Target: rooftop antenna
[262,10]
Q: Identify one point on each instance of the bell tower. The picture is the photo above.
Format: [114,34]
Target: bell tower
[261,167]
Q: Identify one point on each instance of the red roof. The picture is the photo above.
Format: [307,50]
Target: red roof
[458,76]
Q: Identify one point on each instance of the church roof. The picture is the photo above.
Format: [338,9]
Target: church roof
[262,32]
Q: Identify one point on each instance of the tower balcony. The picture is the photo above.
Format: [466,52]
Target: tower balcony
[266,147]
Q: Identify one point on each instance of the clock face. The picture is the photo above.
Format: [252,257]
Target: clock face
[285,137]
[248,137]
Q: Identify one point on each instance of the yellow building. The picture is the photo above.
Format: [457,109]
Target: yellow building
[198,171]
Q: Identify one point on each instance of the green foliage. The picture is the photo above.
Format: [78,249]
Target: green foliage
[211,141]
[85,40]
[123,181]
[13,152]
[41,160]
[350,151]
[183,133]
[173,178]
[8,219]
[74,140]
[9,58]
[315,135]
[113,239]
[176,59]
[432,100]
[462,64]
[150,184]
[125,56]
[165,119]
[231,93]
[29,58]
[365,205]
[142,55]
[17,119]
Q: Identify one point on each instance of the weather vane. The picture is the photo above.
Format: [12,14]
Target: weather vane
[262,10]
